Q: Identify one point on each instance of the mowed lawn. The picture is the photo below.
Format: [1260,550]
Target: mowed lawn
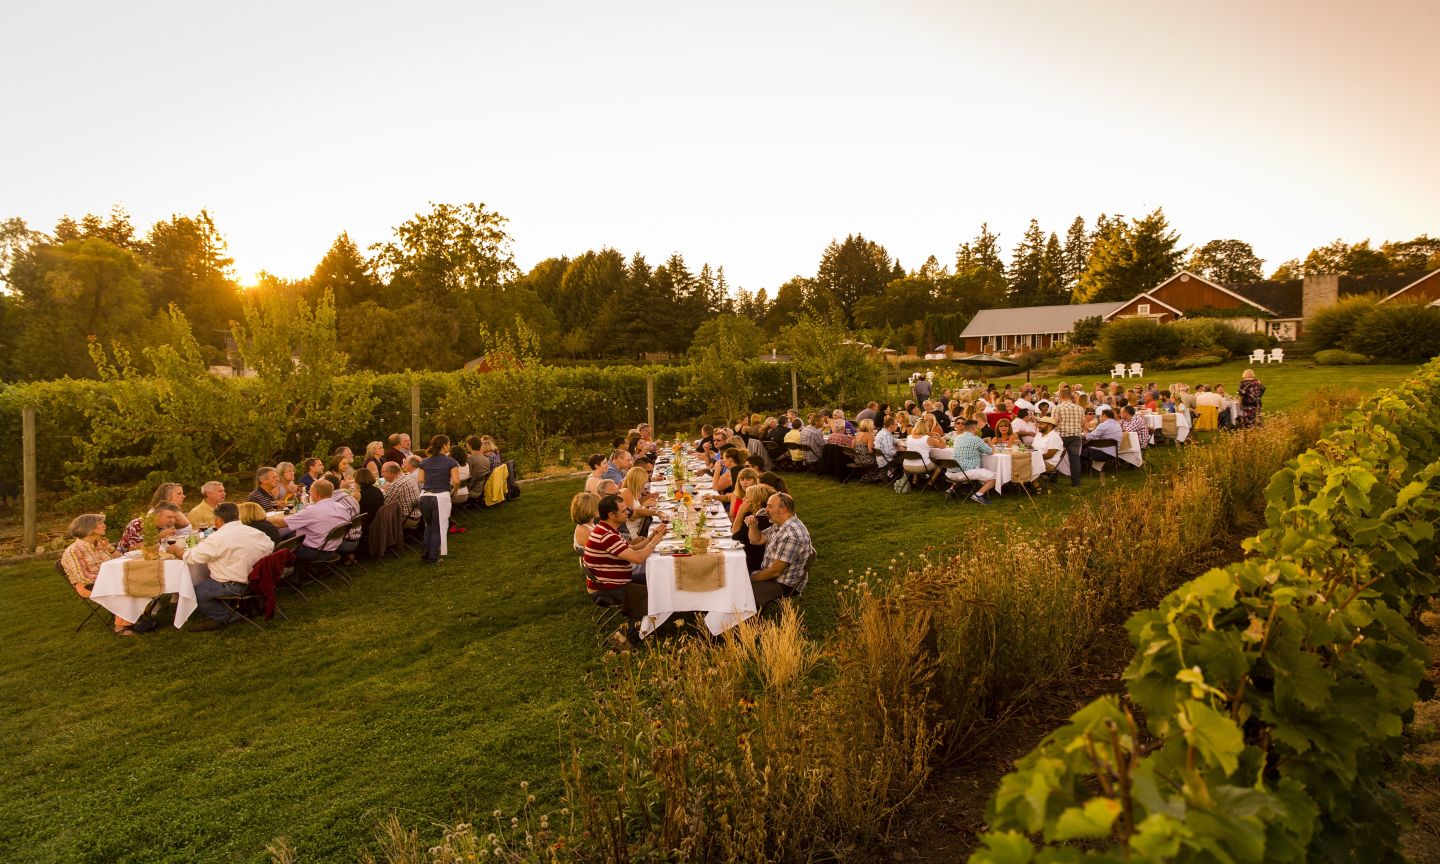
[430,692]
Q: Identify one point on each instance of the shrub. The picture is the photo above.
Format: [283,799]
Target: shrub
[1331,326]
[1200,336]
[1086,330]
[1136,340]
[1398,331]
[1196,362]
[1338,357]
[1084,363]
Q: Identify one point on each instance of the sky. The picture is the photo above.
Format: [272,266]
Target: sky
[743,134]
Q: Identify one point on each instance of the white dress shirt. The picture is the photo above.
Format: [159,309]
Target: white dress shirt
[231,552]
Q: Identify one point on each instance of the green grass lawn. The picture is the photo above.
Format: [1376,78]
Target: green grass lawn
[427,691]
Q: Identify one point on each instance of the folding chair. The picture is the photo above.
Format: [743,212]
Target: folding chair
[852,468]
[95,608]
[779,456]
[339,531]
[913,464]
[1095,452]
[945,466]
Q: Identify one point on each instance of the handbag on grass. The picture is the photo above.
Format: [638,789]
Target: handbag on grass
[144,578]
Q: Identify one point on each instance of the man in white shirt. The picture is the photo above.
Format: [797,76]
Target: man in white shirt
[1048,443]
[231,553]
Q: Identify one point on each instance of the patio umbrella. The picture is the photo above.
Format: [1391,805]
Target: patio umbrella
[991,361]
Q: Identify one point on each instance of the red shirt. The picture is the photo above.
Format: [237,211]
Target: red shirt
[603,565]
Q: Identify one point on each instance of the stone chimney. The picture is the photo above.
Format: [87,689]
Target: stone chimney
[1317,293]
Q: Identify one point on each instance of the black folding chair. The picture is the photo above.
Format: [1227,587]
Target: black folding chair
[95,608]
[852,468]
[1094,453]
[966,483]
[913,464]
[779,456]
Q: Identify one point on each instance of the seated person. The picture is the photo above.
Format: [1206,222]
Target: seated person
[611,560]
[328,510]
[621,461]
[969,451]
[267,483]
[785,567]
[480,467]
[231,553]
[370,497]
[792,442]
[840,435]
[1024,426]
[584,510]
[401,487]
[252,515]
[1131,422]
[752,504]
[1107,428]
[812,440]
[1005,432]
[175,494]
[731,460]
[166,514]
[312,468]
[202,515]
[82,559]
[1048,443]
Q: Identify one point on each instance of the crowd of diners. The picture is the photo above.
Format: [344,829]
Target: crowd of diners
[311,500]
[617,524]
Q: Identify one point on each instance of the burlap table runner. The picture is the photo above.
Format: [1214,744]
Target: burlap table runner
[1021,467]
[144,578]
[700,573]
[1170,425]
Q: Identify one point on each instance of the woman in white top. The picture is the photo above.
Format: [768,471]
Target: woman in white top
[1023,427]
[923,438]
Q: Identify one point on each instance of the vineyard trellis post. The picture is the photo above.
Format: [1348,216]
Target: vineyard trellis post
[650,402]
[794,389]
[27,450]
[415,414]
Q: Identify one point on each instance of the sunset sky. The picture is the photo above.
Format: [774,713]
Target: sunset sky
[744,134]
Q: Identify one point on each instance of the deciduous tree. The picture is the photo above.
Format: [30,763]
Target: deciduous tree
[1227,261]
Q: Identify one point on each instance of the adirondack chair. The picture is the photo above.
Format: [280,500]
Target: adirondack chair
[1136,370]
[1276,356]
[1257,356]
[1118,371]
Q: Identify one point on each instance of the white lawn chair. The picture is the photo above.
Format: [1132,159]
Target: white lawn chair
[1257,356]
[1118,371]
[1136,370]
[1276,356]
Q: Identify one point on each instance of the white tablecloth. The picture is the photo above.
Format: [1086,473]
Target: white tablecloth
[109,590]
[1130,451]
[1182,424]
[725,607]
[1004,466]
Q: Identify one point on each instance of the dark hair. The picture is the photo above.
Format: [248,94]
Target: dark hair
[796,424]
[969,422]
[774,481]
[227,511]
[610,505]
[645,459]
[363,477]
[1022,413]
[736,455]
[630,444]
[1127,410]
[618,443]
[595,460]
[308,463]
[755,460]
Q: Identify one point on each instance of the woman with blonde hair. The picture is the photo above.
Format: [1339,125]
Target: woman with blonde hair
[924,437]
[584,510]
[752,504]
[374,457]
[252,515]
[82,559]
[632,492]
[287,488]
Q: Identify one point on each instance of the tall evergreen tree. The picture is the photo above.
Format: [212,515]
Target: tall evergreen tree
[1026,267]
[983,251]
[347,275]
[850,271]
[1129,259]
[1076,253]
[1052,289]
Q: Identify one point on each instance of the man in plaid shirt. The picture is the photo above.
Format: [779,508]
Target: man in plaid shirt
[788,552]
[1132,423]
[970,451]
[1070,423]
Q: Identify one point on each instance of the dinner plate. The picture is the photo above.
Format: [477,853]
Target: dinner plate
[728,544]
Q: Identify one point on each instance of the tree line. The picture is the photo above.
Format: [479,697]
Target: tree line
[424,298]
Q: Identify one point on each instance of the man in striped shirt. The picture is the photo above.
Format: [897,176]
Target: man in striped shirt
[609,558]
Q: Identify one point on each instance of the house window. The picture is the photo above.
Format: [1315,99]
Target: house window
[1143,309]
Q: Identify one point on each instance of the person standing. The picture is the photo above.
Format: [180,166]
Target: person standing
[1070,423]
[1251,392]
[439,478]
[921,388]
